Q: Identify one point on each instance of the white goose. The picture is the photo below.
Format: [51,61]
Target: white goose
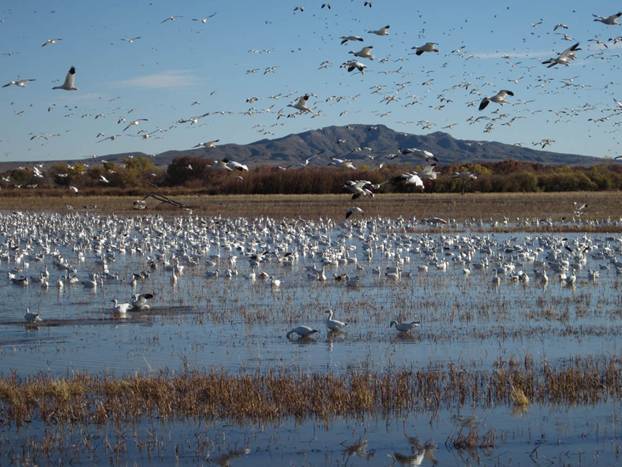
[32,317]
[383,31]
[333,324]
[608,20]
[499,98]
[427,47]
[405,326]
[303,332]
[70,81]
[121,308]
[365,52]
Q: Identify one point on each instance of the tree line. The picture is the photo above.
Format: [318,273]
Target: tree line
[193,174]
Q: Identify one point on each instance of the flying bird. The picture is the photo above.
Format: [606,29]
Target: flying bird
[346,39]
[608,20]
[301,104]
[20,83]
[383,31]
[352,65]
[50,42]
[563,58]
[70,81]
[365,52]
[499,98]
[427,47]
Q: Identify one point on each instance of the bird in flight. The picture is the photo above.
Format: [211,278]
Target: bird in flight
[608,20]
[20,83]
[563,58]
[50,42]
[70,81]
[499,98]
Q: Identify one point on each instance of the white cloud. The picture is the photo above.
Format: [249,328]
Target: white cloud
[511,54]
[165,79]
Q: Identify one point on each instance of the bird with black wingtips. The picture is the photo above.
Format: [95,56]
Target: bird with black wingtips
[70,81]
[20,83]
[427,47]
[499,98]
[563,58]
[608,20]
[346,39]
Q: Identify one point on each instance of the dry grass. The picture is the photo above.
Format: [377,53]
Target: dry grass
[497,206]
[274,395]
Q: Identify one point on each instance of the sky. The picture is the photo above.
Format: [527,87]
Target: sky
[244,65]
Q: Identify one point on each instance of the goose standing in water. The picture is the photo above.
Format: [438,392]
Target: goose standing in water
[303,332]
[32,317]
[139,302]
[333,324]
[121,308]
[405,326]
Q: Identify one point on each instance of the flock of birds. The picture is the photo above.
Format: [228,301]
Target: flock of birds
[522,74]
[82,251]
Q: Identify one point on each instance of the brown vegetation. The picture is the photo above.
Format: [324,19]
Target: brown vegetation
[601,205]
[138,174]
[274,395]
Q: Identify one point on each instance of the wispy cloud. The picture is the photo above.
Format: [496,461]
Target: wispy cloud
[511,54]
[162,80]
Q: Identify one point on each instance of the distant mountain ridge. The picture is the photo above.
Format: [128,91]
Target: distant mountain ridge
[360,143]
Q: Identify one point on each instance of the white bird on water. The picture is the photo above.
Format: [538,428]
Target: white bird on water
[121,308]
[333,324]
[70,81]
[302,332]
[405,326]
[32,317]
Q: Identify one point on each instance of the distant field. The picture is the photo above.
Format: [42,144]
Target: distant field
[496,206]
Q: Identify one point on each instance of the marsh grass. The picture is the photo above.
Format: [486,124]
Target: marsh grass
[274,395]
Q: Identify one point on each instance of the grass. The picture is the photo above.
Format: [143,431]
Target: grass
[278,394]
[497,206]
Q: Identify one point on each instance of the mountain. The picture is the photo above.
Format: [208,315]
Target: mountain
[340,141]
[372,140]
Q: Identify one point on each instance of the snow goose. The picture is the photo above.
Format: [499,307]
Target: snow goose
[346,39]
[608,20]
[302,332]
[301,104]
[139,302]
[563,58]
[352,65]
[50,42]
[405,326]
[499,98]
[70,81]
[20,83]
[32,317]
[333,324]
[383,31]
[121,308]
[427,47]
[365,52]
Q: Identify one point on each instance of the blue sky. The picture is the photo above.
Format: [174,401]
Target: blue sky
[174,64]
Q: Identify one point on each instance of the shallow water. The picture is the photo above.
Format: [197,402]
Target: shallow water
[238,324]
